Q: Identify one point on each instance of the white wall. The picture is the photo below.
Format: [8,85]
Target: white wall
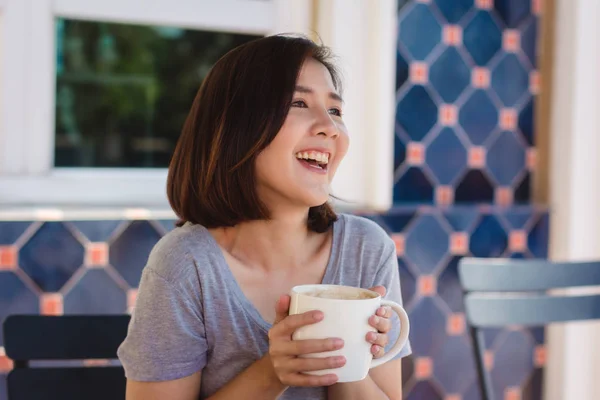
[574,349]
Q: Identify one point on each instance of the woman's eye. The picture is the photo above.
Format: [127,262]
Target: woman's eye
[299,103]
[335,111]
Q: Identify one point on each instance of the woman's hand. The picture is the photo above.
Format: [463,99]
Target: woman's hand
[381,322]
[284,351]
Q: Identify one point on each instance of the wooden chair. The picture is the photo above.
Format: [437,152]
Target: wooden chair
[60,338]
[504,292]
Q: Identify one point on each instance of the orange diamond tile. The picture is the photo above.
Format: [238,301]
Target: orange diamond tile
[96,254]
[423,368]
[52,304]
[480,77]
[448,115]
[476,157]
[452,35]
[484,4]
[534,82]
[8,257]
[427,285]
[415,153]
[459,243]
[531,158]
[508,119]
[511,40]
[512,393]
[517,241]
[488,359]
[504,196]
[453,397]
[456,324]
[399,242]
[444,195]
[131,298]
[539,356]
[419,72]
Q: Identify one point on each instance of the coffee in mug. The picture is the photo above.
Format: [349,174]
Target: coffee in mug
[346,313]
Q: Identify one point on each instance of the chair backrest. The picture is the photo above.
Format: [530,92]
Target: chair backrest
[501,292]
[70,337]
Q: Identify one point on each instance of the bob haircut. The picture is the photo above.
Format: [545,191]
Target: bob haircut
[238,110]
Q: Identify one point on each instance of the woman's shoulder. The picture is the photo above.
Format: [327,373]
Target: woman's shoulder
[362,230]
[177,252]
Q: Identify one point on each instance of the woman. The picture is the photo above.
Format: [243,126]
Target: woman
[250,181]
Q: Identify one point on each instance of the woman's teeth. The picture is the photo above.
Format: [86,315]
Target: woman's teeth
[321,158]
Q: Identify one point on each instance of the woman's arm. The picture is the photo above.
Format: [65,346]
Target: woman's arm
[382,383]
[187,388]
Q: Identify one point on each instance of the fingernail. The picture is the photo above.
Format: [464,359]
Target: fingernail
[318,315]
[381,312]
[338,342]
[375,349]
[375,319]
[372,336]
[339,360]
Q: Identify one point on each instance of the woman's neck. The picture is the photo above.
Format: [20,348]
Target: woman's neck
[281,242]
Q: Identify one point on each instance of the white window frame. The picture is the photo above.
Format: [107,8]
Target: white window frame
[27,90]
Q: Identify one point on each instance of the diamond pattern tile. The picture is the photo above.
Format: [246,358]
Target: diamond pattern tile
[475,187]
[11,231]
[51,256]
[513,361]
[482,38]
[15,298]
[489,238]
[417,113]
[424,390]
[449,288]
[428,327]
[96,293]
[506,158]
[454,10]
[419,31]
[414,187]
[142,237]
[529,41]
[510,80]
[402,69]
[426,244]
[526,122]
[478,117]
[446,157]
[456,351]
[512,12]
[97,231]
[450,75]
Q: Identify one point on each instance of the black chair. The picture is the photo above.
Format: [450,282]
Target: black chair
[504,292]
[60,338]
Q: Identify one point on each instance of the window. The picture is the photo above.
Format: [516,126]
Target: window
[123,91]
[94,93]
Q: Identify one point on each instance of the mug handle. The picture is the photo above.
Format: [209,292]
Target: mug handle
[402,338]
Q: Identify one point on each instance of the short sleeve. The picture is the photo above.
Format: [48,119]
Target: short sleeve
[166,337]
[388,276]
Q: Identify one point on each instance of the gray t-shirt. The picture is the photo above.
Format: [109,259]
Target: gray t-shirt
[191,315]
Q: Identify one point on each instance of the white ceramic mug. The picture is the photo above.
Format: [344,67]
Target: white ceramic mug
[347,319]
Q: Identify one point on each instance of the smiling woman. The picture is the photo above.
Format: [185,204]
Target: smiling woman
[250,181]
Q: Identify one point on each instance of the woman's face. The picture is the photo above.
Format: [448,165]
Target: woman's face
[298,165]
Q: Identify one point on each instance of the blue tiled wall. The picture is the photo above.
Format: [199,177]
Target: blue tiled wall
[466,81]
[75,267]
